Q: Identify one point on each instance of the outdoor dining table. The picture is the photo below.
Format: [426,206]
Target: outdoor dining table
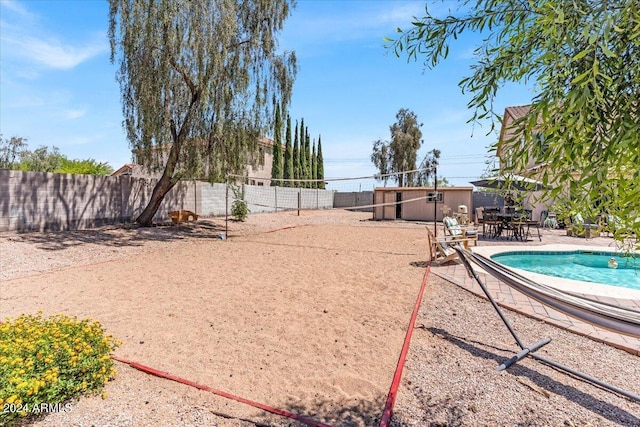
[510,223]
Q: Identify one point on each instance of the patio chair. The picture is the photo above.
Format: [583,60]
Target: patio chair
[440,249]
[580,228]
[458,232]
[489,222]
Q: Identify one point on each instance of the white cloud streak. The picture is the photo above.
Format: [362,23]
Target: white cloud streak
[54,54]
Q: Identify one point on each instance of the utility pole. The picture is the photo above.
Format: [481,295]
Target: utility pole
[435,201]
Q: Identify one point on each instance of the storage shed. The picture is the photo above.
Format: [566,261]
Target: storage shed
[419,203]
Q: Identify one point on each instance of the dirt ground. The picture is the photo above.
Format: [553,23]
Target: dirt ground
[306,314]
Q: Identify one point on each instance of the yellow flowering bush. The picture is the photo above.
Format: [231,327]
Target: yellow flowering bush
[46,361]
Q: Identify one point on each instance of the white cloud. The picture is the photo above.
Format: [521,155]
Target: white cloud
[74,114]
[329,21]
[25,37]
[16,7]
[55,54]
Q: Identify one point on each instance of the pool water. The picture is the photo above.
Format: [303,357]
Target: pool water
[577,265]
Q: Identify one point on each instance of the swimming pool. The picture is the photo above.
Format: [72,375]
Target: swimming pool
[577,265]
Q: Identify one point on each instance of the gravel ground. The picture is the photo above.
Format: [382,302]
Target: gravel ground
[449,378]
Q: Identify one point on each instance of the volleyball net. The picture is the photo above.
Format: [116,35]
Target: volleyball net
[275,195]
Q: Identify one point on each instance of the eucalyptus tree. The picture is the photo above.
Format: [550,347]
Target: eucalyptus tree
[428,169]
[401,153]
[582,57]
[197,80]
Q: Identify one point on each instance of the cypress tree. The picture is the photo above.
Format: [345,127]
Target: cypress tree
[303,155]
[307,149]
[320,166]
[296,157]
[276,168]
[288,155]
[314,169]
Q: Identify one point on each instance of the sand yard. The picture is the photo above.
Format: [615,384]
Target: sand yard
[309,319]
[306,314]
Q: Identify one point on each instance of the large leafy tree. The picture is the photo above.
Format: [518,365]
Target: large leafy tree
[15,155]
[427,172]
[400,154]
[582,57]
[197,80]
[11,151]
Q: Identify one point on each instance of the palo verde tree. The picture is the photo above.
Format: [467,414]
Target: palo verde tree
[197,80]
[400,154]
[583,59]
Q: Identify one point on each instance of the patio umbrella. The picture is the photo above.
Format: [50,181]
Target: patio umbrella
[510,182]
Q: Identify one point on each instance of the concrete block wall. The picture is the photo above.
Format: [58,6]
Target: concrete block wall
[47,201]
[212,199]
[354,199]
[31,201]
[38,201]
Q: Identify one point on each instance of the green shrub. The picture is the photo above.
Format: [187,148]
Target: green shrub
[47,361]
[239,209]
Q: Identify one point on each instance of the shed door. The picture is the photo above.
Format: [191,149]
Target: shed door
[389,210]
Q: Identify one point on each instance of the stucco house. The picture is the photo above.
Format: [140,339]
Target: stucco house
[511,146]
[259,174]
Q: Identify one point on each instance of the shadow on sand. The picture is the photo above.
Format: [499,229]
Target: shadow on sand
[119,235]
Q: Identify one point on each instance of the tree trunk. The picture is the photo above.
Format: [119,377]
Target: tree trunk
[162,187]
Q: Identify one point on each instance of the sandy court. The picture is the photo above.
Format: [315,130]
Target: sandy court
[309,318]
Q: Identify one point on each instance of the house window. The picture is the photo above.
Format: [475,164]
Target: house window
[432,197]
[539,141]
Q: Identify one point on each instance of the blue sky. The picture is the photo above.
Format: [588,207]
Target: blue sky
[58,88]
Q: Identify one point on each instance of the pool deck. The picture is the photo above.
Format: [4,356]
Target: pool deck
[507,297]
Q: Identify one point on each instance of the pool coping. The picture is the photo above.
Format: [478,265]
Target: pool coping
[507,297]
[562,284]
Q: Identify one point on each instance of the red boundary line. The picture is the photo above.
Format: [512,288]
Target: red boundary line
[161,374]
[393,391]
[391,397]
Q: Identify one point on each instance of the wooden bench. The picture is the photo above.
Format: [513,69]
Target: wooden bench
[182,216]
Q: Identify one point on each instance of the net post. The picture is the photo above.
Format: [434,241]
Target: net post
[435,201]
[275,189]
[226,208]
[299,199]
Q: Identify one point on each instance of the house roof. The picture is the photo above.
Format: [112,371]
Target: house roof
[511,114]
[517,111]
[124,169]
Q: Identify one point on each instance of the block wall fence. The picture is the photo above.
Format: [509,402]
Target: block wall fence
[38,201]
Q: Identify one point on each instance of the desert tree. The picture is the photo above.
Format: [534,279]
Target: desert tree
[11,151]
[401,153]
[582,59]
[427,169]
[197,79]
